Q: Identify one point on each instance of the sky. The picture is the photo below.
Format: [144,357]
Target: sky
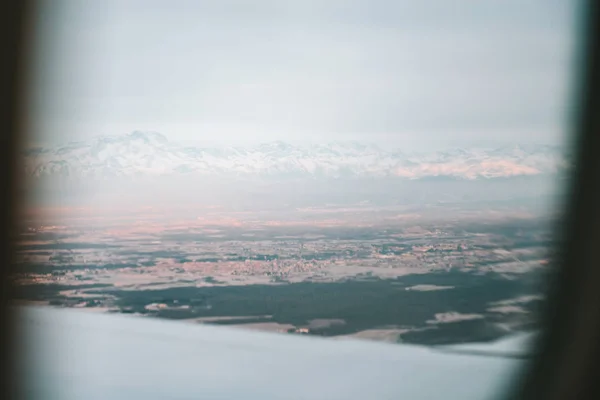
[414,74]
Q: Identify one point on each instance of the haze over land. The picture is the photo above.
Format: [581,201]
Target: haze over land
[147,169]
[308,239]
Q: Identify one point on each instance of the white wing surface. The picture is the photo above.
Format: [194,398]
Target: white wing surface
[74,355]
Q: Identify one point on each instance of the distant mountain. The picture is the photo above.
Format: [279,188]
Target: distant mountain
[150,153]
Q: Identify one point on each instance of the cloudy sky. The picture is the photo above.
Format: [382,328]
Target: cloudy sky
[410,73]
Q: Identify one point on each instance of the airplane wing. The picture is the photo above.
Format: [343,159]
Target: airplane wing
[74,354]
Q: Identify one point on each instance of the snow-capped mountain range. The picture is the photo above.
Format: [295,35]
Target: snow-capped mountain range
[150,154]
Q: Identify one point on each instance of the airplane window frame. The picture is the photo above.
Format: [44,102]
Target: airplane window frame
[568,351]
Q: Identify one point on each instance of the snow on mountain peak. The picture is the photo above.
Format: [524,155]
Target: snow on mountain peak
[151,153]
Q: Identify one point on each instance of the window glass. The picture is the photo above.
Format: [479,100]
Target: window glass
[374,170]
